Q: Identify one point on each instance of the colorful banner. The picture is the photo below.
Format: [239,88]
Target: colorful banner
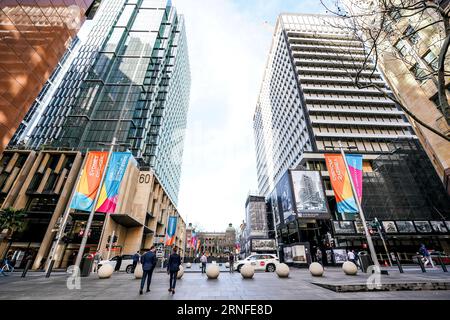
[89,183]
[171,229]
[340,181]
[355,165]
[109,193]
[198,244]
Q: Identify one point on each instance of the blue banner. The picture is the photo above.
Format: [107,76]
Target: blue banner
[171,229]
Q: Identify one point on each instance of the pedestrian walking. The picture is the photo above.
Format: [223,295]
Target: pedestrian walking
[203,261]
[148,261]
[97,259]
[426,255]
[172,268]
[136,258]
[231,261]
[319,256]
[351,257]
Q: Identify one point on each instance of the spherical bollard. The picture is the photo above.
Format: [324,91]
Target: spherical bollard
[227,264]
[212,271]
[138,272]
[188,265]
[349,268]
[180,272]
[316,269]
[247,271]
[105,271]
[282,270]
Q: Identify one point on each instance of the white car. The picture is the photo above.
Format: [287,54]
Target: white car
[126,265]
[264,262]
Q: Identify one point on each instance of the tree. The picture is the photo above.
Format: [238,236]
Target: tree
[12,220]
[374,24]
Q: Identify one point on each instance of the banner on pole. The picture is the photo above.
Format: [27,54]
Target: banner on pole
[90,179]
[171,229]
[355,166]
[109,193]
[340,182]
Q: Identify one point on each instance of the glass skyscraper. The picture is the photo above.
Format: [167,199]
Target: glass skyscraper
[132,82]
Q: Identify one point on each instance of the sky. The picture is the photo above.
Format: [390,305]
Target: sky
[229,42]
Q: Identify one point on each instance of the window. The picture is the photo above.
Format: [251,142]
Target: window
[432,60]
[401,47]
[418,72]
[412,35]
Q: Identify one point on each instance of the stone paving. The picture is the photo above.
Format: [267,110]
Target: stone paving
[196,286]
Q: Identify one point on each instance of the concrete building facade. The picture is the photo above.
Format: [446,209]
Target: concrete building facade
[308,102]
[309,105]
[42,182]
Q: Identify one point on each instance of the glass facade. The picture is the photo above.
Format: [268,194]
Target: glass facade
[35,35]
[131,81]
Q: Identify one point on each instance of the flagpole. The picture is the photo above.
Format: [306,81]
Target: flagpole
[92,213]
[361,213]
[164,243]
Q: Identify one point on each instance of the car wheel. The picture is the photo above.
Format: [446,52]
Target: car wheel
[239,268]
[129,268]
[270,268]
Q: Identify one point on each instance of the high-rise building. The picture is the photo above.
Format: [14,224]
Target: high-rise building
[35,35]
[308,102]
[131,81]
[308,106]
[408,52]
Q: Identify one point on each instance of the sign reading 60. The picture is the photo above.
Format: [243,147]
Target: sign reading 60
[145,178]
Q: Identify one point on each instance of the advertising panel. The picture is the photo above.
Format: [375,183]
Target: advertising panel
[275,207]
[405,227]
[438,226]
[284,192]
[287,254]
[389,226]
[343,227]
[340,255]
[299,254]
[309,195]
[263,245]
[423,226]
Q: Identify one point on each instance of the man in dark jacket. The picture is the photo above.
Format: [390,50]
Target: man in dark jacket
[148,261]
[136,258]
[172,268]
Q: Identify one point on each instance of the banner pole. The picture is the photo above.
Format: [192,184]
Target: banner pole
[92,213]
[361,213]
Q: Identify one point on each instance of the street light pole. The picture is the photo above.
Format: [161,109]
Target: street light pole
[361,213]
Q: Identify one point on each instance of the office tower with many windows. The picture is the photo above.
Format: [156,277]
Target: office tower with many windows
[408,51]
[308,102]
[134,86]
[308,106]
[35,35]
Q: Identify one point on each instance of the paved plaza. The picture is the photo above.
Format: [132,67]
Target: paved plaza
[196,286]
